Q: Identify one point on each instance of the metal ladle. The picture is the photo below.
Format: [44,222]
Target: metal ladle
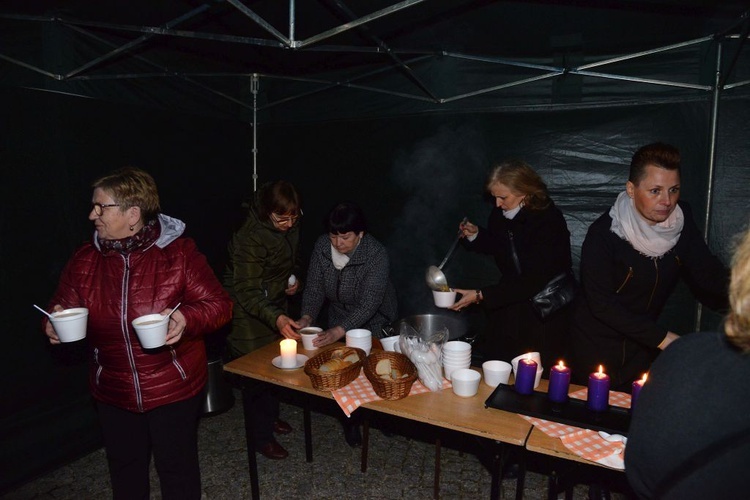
[435,277]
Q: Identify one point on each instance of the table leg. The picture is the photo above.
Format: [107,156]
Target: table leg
[436,483]
[498,461]
[521,478]
[248,411]
[307,423]
[365,441]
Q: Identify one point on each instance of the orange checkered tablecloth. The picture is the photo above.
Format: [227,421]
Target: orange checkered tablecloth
[360,391]
[585,443]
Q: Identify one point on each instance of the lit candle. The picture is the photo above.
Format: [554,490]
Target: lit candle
[525,375]
[559,382]
[288,353]
[598,396]
[637,386]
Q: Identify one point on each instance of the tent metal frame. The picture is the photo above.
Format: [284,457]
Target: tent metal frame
[394,56]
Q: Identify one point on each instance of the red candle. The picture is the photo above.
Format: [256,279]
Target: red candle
[559,382]
[636,390]
[598,396]
[525,376]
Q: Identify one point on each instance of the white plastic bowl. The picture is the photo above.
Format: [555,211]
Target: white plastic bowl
[465,382]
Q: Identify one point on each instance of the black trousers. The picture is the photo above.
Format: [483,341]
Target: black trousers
[263,402]
[170,432]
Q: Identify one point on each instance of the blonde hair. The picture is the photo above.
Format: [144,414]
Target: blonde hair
[521,179]
[737,324]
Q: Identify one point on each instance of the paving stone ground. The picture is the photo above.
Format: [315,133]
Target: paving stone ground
[400,464]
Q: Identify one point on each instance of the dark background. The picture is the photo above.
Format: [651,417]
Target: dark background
[415,168]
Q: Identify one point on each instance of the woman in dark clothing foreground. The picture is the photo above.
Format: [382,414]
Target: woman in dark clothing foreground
[690,434]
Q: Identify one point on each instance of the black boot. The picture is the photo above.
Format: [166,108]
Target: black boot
[352,434]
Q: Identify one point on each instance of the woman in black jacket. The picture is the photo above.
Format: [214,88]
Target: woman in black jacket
[631,260]
[530,241]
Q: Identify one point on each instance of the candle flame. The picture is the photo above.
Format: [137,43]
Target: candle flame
[645,377]
[601,370]
[528,356]
[561,364]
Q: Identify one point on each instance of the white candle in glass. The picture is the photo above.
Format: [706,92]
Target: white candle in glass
[288,353]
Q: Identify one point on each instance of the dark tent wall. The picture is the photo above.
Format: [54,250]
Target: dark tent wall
[418,176]
[415,176]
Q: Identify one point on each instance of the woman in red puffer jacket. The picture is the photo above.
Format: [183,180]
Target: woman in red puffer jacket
[147,399]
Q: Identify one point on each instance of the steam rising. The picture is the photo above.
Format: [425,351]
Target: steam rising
[442,181]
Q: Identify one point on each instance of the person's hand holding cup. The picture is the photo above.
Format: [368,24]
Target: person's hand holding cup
[308,335]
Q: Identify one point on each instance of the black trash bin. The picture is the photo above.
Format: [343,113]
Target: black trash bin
[219,395]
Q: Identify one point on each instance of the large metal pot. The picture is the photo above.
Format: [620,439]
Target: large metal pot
[431,323]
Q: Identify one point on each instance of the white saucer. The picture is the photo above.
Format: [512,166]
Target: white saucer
[301,358]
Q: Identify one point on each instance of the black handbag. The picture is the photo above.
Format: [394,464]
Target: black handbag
[558,293]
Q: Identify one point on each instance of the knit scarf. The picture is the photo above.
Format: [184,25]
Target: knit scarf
[148,234]
[341,259]
[650,240]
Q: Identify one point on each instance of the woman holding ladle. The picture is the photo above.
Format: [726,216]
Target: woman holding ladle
[529,239]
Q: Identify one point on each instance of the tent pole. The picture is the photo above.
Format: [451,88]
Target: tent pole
[292,21]
[254,89]
[711,161]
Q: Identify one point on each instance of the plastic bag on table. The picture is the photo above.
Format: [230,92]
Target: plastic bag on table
[425,350]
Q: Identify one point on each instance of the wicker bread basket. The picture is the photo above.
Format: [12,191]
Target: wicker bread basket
[387,388]
[330,381]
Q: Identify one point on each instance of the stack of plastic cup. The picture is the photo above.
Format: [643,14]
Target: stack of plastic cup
[360,338]
[456,355]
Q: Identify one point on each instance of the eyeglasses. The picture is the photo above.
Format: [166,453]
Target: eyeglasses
[98,208]
[289,219]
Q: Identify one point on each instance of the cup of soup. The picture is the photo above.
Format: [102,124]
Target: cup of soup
[70,324]
[151,330]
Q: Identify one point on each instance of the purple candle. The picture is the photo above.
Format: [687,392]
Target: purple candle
[559,382]
[637,386]
[598,396]
[525,376]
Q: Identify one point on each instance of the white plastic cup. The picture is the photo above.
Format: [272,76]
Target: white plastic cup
[151,330]
[70,324]
[457,347]
[465,382]
[308,335]
[444,299]
[449,368]
[496,372]
[389,343]
[361,338]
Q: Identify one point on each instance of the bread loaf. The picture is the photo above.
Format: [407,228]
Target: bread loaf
[341,358]
[383,367]
[333,364]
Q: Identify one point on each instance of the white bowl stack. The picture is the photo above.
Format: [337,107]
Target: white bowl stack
[361,338]
[456,355]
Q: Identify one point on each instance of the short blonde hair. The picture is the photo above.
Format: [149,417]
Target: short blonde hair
[132,187]
[737,324]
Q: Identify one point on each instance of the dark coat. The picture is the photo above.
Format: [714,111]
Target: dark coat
[690,435]
[261,259]
[542,243]
[118,288]
[360,295]
[614,320]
